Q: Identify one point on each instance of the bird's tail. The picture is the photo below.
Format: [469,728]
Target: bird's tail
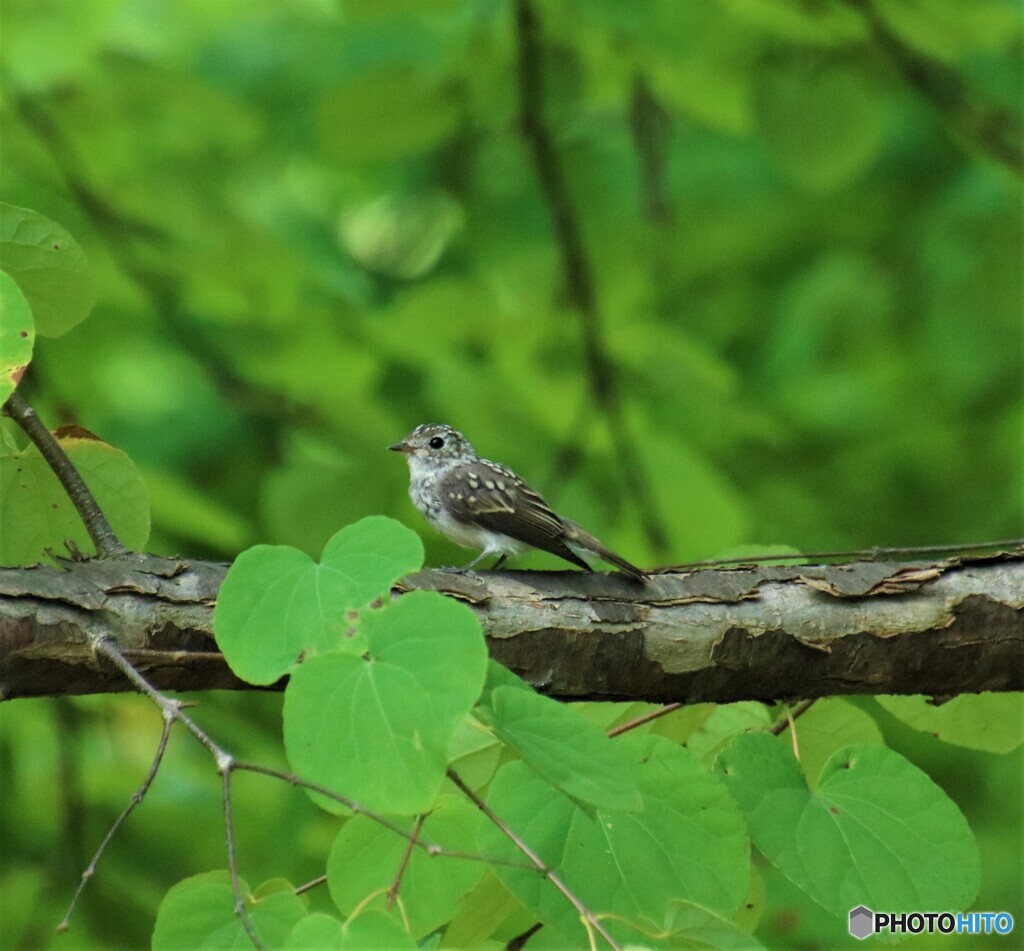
[576,537]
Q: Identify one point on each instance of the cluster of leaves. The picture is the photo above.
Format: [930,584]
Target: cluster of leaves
[394,705]
[46,288]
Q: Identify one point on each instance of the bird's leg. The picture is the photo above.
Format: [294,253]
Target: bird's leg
[476,561]
[499,562]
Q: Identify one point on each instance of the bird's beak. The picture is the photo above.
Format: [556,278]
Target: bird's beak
[400,447]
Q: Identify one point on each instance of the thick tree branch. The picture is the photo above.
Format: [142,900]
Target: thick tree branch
[767,633]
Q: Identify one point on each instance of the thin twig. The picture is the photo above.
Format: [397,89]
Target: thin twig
[589,918]
[224,767]
[225,764]
[137,798]
[870,554]
[577,272]
[646,718]
[310,885]
[96,524]
[779,726]
[431,848]
[397,883]
[650,125]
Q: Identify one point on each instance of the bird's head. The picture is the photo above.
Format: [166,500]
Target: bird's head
[437,444]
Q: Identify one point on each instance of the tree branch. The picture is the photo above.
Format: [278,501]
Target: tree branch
[996,130]
[767,633]
[577,273]
[96,524]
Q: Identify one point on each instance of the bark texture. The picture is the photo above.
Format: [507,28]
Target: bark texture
[761,633]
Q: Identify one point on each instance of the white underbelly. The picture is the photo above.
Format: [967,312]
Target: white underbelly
[472,536]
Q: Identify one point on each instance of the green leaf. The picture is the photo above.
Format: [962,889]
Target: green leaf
[17,334]
[877,831]
[276,602]
[318,930]
[821,119]
[692,928]
[488,910]
[420,114]
[374,931]
[725,722]
[565,748]
[377,727]
[828,726]
[687,843]
[199,913]
[366,856]
[474,753]
[36,513]
[368,931]
[401,235]
[993,722]
[50,269]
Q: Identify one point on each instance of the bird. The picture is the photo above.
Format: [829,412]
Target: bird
[484,505]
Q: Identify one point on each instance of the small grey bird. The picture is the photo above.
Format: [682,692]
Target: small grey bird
[481,504]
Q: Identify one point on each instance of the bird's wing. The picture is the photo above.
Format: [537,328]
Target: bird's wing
[496,499]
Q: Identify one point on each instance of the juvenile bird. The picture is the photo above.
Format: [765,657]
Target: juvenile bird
[481,504]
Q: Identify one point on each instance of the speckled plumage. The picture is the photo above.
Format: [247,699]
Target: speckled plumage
[484,505]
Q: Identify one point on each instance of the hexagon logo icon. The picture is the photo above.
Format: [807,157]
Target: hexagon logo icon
[862,922]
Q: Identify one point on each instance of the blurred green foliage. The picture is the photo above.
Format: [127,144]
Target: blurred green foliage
[313,224]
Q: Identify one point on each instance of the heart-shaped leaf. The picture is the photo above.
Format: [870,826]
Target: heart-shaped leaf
[877,831]
[199,912]
[565,748]
[36,513]
[50,269]
[687,843]
[377,727]
[277,603]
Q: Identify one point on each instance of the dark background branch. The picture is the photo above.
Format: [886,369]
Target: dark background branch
[767,633]
[993,129]
[577,272]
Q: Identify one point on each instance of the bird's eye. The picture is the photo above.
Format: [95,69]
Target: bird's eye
[436,443]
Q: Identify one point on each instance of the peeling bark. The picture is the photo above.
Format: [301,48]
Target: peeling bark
[762,633]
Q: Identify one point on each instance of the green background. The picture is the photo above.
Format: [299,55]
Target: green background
[313,225]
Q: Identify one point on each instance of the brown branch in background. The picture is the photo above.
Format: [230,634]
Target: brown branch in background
[780,725]
[410,845]
[650,126]
[868,554]
[585,913]
[137,797]
[96,524]
[997,130]
[577,272]
[646,718]
[311,884]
